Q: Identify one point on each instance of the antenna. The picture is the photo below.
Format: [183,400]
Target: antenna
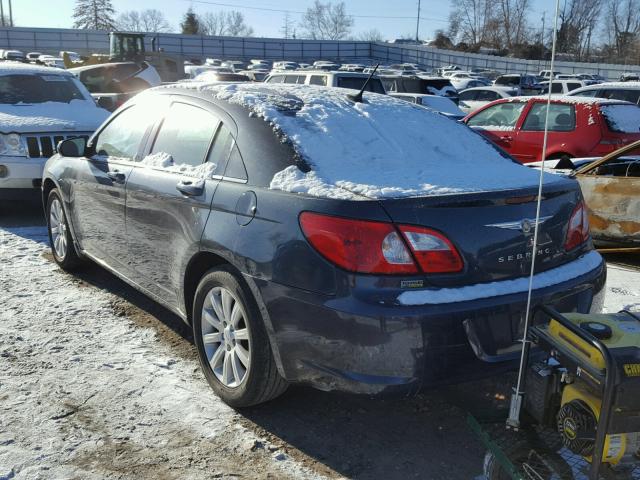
[357,98]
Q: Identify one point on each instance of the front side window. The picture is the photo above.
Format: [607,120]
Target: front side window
[501,116]
[38,89]
[469,95]
[556,87]
[186,134]
[318,80]
[276,79]
[356,83]
[562,118]
[487,96]
[122,136]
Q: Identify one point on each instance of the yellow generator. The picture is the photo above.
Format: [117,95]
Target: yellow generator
[580,399]
[587,386]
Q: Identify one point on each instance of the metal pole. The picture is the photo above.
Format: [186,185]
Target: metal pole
[2,12]
[417,23]
[518,394]
[10,14]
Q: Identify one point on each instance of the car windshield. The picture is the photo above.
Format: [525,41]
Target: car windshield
[38,89]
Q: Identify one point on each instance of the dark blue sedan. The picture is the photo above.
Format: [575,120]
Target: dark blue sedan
[309,238]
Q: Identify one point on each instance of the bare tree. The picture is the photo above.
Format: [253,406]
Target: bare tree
[578,22]
[327,21]
[469,20]
[373,35]
[624,18]
[150,20]
[225,23]
[512,20]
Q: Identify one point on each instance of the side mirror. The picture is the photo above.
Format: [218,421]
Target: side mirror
[72,147]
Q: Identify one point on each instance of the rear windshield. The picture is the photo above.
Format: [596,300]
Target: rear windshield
[622,118]
[374,85]
[38,89]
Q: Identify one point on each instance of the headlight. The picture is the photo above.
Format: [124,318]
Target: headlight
[11,145]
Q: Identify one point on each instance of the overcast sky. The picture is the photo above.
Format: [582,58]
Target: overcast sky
[266,23]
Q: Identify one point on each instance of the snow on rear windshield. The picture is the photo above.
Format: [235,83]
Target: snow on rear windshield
[622,118]
[383,148]
[38,89]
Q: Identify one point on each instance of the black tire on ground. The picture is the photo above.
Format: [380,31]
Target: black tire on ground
[262,381]
[70,261]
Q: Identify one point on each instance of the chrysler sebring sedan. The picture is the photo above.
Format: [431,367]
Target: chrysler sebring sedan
[366,246]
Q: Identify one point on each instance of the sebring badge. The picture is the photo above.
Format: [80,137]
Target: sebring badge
[526,225]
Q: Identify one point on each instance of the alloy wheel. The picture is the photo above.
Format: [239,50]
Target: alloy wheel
[225,336]
[58,227]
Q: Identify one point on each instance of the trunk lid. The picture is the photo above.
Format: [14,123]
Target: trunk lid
[493,231]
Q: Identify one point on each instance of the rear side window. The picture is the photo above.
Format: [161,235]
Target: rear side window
[275,79]
[186,134]
[503,116]
[622,118]
[469,95]
[573,86]
[356,83]
[487,96]
[235,167]
[219,153]
[587,93]
[318,80]
[294,79]
[556,87]
[619,94]
[122,136]
[562,118]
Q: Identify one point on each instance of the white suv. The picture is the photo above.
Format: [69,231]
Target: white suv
[322,78]
[39,107]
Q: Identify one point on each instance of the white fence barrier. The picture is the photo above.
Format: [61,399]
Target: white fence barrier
[53,40]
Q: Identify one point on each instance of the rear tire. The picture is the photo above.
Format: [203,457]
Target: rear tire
[232,342]
[62,246]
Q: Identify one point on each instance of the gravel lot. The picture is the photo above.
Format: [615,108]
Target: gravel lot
[97,381]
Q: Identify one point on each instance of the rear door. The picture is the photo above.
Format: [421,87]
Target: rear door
[99,187]
[528,140]
[170,191]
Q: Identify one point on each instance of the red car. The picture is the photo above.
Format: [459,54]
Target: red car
[578,126]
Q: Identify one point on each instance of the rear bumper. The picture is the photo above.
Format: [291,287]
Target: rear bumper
[353,343]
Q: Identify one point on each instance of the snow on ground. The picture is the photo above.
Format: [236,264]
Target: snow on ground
[86,393]
[358,147]
[91,389]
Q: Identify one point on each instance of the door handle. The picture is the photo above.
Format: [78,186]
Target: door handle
[190,188]
[116,176]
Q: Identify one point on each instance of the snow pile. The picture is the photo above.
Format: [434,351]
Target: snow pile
[77,115]
[165,161]
[622,118]
[569,271]
[382,148]
[18,68]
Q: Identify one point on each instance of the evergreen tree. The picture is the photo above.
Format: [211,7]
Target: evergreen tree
[190,25]
[94,14]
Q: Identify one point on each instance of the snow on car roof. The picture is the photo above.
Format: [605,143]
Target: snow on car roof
[17,68]
[383,148]
[568,99]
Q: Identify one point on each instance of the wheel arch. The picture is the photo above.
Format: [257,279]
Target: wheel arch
[205,260]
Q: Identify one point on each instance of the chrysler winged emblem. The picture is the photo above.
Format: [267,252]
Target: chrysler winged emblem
[525,225]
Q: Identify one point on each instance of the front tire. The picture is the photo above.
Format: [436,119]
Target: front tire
[232,342]
[62,247]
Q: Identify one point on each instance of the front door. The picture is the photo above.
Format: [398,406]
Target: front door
[98,195]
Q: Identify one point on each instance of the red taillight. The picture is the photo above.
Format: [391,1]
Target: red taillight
[578,231]
[377,247]
[433,251]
